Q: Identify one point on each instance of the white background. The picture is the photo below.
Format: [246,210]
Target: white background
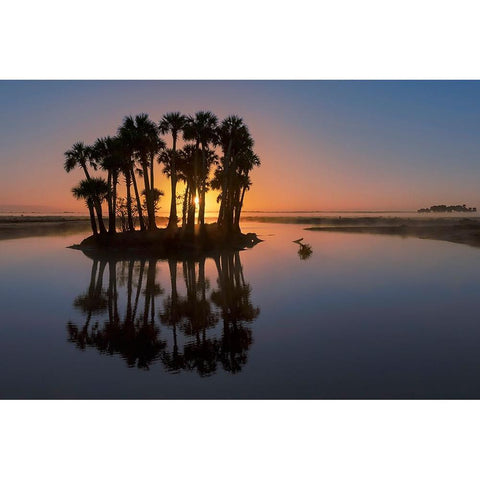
[239,40]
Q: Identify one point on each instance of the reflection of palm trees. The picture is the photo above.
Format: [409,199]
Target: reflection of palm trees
[207,329]
[233,299]
[93,302]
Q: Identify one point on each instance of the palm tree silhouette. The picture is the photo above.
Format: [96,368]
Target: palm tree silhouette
[93,191]
[79,155]
[172,122]
[202,129]
[136,149]
[188,168]
[236,143]
[143,137]
[108,152]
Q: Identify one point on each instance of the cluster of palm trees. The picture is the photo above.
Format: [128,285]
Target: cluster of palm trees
[214,155]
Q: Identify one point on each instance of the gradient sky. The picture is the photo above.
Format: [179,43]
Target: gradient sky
[324,145]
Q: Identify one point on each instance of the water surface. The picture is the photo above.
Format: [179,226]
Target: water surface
[363,316]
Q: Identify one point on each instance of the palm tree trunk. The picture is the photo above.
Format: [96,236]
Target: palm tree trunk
[185,203]
[128,183]
[93,224]
[148,198]
[201,207]
[139,205]
[152,183]
[226,169]
[85,171]
[115,182]
[101,225]
[111,218]
[191,209]
[201,195]
[239,208]
[172,219]
[97,205]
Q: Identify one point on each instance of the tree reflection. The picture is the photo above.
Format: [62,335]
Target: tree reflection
[190,326]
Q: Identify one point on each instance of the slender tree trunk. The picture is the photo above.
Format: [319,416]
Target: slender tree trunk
[239,209]
[226,168]
[115,182]
[112,197]
[85,171]
[139,205]
[152,165]
[185,203]
[201,193]
[111,217]
[172,219]
[128,182]
[93,224]
[97,204]
[101,225]
[191,210]
[148,198]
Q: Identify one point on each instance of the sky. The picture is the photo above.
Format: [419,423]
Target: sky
[324,145]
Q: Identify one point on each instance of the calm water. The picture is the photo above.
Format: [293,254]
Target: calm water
[363,316]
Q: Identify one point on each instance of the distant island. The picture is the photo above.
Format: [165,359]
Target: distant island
[447,209]
[215,155]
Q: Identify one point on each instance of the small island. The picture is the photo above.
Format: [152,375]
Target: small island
[448,209]
[214,155]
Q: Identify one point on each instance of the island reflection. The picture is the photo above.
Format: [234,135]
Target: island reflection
[190,325]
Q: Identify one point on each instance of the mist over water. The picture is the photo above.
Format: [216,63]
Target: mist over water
[360,316]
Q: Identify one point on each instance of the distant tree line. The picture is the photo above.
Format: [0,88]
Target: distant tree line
[214,155]
[447,209]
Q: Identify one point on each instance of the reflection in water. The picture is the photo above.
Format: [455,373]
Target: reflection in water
[304,249]
[194,326]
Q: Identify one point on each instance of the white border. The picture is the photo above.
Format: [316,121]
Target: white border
[241,40]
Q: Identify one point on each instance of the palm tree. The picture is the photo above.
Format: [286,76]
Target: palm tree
[93,191]
[109,155]
[128,168]
[246,161]
[235,140]
[79,155]
[202,129]
[188,167]
[173,122]
[142,135]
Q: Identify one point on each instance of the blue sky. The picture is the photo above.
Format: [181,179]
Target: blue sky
[324,145]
